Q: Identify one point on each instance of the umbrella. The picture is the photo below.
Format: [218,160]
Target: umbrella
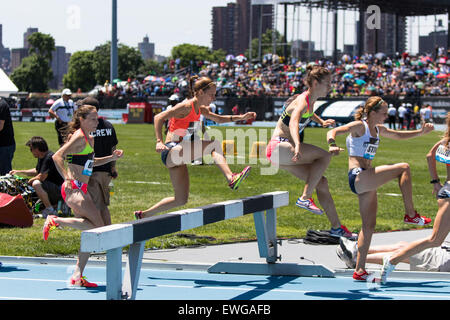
[116,80]
[432,71]
[419,84]
[360,82]
[241,58]
[380,55]
[348,76]
[361,66]
[346,58]
[442,76]
[419,72]
[229,57]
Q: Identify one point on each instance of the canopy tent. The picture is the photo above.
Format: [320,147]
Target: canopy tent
[6,85]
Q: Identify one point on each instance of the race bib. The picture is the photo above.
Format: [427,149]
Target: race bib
[87,171]
[443,154]
[371,149]
[302,126]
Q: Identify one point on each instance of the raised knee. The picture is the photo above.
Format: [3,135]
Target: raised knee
[36,183]
[404,166]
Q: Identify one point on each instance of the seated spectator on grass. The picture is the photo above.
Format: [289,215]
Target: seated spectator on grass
[46,179]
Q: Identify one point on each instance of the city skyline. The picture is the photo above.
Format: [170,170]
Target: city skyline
[169,23]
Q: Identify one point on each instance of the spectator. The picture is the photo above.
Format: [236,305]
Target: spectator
[46,179]
[401,116]
[392,112]
[62,110]
[425,115]
[7,142]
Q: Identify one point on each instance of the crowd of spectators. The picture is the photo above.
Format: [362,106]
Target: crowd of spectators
[402,75]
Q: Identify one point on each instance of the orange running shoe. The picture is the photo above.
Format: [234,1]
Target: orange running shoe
[49,225]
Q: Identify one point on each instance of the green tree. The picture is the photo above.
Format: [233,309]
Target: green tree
[80,73]
[129,62]
[152,67]
[267,45]
[34,72]
[188,53]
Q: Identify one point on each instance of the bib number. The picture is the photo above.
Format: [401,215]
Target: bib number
[443,154]
[87,171]
[370,151]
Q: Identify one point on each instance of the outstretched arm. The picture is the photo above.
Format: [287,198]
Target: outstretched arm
[226,118]
[407,134]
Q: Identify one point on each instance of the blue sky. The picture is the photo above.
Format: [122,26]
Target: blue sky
[82,24]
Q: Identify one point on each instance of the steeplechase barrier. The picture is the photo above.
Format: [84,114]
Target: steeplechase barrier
[114,238]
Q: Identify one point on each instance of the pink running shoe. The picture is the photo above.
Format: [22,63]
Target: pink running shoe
[238,178]
[309,205]
[49,225]
[82,282]
[417,220]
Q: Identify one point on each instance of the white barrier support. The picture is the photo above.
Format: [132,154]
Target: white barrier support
[114,237]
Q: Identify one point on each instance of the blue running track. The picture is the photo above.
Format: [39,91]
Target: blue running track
[50,281]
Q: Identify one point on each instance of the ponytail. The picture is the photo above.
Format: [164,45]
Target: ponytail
[191,83]
[195,84]
[372,104]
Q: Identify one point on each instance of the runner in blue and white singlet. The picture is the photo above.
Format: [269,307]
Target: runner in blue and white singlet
[362,143]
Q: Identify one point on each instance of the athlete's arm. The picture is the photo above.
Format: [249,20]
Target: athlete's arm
[206,112]
[354,128]
[407,134]
[180,110]
[117,154]
[323,123]
[299,106]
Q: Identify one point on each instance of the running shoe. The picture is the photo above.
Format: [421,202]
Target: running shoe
[138,215]
[342,231]
[237,178]
[49,225]
[387,269]
[309,205]
[82,282]
[362,276]
[347,252]
[417,220]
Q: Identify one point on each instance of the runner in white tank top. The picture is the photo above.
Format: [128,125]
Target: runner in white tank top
[364,180]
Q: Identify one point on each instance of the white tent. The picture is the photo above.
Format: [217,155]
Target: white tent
[6,85]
